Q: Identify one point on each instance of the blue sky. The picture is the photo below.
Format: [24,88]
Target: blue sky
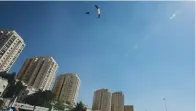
[145,49]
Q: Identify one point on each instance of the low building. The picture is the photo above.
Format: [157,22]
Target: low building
[88,109]
[30,107]
[3,85]
[128,108]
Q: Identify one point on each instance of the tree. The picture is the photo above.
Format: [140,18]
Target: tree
[1,102]
[40,98]
[13,89]
[69,106]
[19,87]
[59,106]
[9,91]
[9,76]
[31,99]
[79,107]
[63,106]
[48,96]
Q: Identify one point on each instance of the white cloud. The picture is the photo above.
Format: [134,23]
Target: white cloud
[135,46]
[145,38]
[173,16]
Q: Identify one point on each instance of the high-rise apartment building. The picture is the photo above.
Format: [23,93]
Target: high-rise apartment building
[117,101]
[66,88]
[38,72]
[128,108]
[102,100]
[11,45]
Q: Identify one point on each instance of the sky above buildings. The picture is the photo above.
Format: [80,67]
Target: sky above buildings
[145,49]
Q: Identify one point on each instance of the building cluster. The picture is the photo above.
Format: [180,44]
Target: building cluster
[107,101]
[38,73]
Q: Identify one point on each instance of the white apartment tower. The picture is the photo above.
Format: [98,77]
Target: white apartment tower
[102,100]
[117,101]
[11,46]
[66,88]
[38,72]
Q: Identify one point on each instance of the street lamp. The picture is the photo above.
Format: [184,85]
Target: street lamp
[164,99]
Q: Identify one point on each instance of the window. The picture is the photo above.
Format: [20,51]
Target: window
[7,45]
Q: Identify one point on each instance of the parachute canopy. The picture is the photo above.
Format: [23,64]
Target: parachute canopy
[98,10]
[87,13]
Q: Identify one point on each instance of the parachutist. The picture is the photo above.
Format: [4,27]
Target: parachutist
[98,11]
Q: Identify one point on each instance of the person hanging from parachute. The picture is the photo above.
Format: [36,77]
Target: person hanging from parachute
[98,11]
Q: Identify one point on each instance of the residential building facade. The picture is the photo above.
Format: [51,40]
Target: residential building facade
[128,108]
[66,88]
[117,101]
[38,72]
[11,46]
[102,100]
